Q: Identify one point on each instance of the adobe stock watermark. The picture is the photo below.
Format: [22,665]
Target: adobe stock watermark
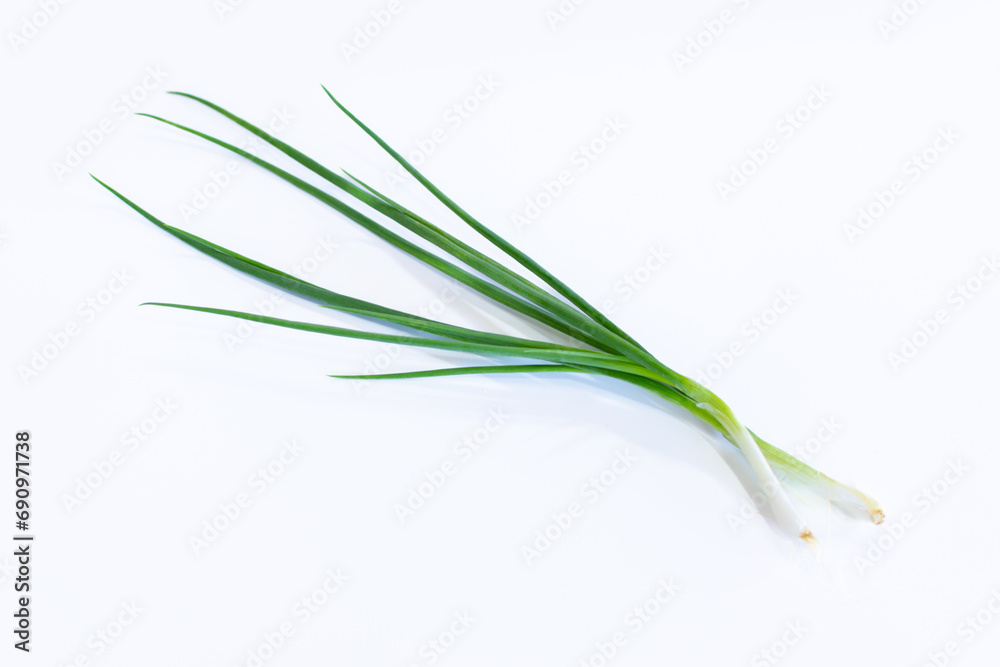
[365,34]
[560,13]
[971,627]
[8,568]
[634,280]
[105,637]
[452,119]
[461,454]
[634,622]
[31,25]
[77,151]
[591,491]
[913,169]
[379,363]
[581,159]
[301,612]
[927,329]
[709,33]
[750,333]
[224,8]
[267,306]
[785,129]
[136,437]
[243,330]
[87,311]
[437,646]
[382,361]
[899,16]
[826,433]
[218,180]
[259,481]
[779,648]
[923,502]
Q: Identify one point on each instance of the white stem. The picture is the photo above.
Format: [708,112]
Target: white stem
[784,512]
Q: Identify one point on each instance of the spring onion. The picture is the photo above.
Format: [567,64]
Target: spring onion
[601,347]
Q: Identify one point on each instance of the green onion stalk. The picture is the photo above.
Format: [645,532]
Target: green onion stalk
[600,347]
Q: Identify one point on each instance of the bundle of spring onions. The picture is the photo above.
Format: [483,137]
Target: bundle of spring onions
[602,349]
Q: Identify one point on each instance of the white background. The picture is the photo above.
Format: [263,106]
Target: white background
[674,514]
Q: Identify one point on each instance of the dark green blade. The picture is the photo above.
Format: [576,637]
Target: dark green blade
[609,333]
[570,321]
[327,297]
[468,370]
[565,321]
[582,358]
[605,339]
[494,238]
